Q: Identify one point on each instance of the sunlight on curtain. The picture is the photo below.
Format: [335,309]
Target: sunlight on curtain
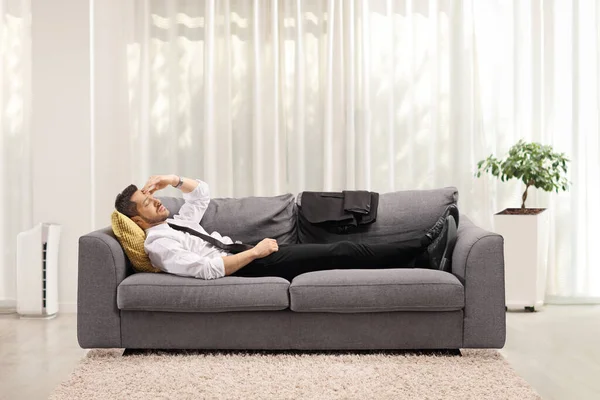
[267,97]
[15,97]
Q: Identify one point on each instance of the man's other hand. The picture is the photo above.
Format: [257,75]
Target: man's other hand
[158,182]
[265,247]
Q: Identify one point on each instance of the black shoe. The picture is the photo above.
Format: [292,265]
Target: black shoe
[452,209]
[439,225]
[440,250]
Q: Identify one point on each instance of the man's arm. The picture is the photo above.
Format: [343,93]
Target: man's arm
[237,261]
[188,184]
[195,193]
[170,256]
[158,182]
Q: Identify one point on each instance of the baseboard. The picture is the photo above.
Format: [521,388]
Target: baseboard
[572,300]
[8,306]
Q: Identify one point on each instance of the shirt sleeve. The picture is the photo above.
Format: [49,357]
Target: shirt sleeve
[171,257]
[196,203]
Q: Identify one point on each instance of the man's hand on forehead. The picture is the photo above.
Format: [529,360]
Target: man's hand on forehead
[158,182]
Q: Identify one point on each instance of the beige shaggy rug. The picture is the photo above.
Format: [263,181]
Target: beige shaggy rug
[477,374]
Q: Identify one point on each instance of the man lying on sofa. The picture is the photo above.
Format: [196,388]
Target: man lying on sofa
[182,251]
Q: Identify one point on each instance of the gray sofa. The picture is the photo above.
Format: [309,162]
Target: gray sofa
[412,308]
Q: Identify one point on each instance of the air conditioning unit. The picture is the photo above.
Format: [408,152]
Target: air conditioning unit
[37,271]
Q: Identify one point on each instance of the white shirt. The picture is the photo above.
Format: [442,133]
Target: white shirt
[179,252]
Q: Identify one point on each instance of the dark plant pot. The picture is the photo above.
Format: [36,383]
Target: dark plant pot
[521,211]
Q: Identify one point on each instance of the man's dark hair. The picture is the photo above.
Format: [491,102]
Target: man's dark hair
[123,203]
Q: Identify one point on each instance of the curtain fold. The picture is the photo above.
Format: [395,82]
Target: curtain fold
[265,97]
[15,158]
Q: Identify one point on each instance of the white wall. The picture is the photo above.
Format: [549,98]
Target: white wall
[60,133]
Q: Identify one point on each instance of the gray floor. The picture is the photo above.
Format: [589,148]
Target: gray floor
[557,350]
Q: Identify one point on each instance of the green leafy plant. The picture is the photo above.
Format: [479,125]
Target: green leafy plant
[534,164]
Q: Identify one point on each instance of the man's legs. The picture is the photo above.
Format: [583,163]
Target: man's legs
[295,259]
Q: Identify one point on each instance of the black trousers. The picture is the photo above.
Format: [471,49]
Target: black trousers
[292,260]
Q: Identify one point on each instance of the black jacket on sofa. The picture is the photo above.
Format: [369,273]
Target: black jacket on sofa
[339,212]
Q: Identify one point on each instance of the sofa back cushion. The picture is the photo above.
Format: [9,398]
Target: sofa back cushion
[401,215]
[249,219]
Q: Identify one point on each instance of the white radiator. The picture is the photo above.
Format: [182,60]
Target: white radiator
[37,271]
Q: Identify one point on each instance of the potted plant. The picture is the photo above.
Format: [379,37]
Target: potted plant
[526,230]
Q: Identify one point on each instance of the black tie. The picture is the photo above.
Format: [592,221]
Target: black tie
[232,248]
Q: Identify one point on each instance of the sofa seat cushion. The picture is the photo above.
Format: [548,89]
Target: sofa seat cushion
[376,290]
[166,292]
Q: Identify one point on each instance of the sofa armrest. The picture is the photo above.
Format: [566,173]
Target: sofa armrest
[478,262]
[102,267]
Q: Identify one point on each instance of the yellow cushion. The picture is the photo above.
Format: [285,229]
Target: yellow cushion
[132,238]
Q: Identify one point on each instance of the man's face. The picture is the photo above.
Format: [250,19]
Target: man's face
[149,208]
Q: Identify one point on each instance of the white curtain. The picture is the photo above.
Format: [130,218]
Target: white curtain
[267,97]
[15,169]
